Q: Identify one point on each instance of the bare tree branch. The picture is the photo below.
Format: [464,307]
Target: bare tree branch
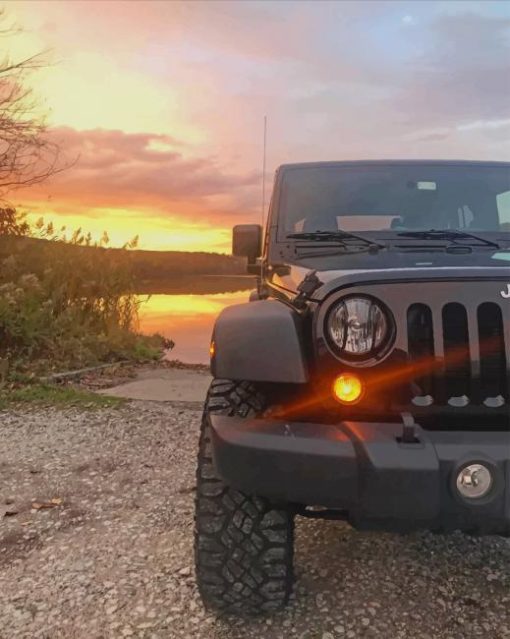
[27,153]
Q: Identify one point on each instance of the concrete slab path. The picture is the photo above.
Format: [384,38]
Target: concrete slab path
[165,385]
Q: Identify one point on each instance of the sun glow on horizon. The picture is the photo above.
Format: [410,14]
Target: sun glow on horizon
[155,234]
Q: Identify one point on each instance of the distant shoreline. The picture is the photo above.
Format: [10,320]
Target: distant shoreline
[155,267]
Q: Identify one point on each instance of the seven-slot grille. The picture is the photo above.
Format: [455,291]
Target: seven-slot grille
[459,353]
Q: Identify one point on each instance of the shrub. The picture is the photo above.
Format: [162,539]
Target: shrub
[64,305]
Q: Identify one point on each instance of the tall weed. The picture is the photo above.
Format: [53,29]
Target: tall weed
[67,304]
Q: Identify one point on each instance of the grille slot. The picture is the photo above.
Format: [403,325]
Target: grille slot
[457,362]
[492,350]
[420,336]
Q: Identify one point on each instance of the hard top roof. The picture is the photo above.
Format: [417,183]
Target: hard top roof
[339,163]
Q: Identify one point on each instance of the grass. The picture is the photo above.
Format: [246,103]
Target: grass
[52,395]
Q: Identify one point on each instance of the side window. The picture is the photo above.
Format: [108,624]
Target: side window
[503,202]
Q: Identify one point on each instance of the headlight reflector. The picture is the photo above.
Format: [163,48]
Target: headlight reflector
[359,327]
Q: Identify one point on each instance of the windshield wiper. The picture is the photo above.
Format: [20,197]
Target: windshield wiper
[344,238]
[450,235]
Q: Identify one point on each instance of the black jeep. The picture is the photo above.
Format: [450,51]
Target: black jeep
[368,377]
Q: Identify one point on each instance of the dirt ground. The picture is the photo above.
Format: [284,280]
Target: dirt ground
[96,518]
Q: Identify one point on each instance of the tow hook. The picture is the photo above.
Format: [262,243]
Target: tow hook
[408,430]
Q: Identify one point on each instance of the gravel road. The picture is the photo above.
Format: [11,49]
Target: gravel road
[111,556]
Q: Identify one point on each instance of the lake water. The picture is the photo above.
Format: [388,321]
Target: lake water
[188,319]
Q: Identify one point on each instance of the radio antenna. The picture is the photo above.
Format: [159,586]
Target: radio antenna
[263,199]
[264,171]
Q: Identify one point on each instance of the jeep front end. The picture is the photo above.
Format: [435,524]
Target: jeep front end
[368,379]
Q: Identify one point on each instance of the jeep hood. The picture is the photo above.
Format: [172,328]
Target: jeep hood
[336,271]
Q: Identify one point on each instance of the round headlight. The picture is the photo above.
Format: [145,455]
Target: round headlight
[359,327]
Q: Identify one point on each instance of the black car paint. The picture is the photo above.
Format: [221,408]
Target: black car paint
[270,337]
[387,264]
[364,472]
[360,467]
[278,355]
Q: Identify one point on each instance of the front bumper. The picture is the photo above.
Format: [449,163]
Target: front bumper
[363,470]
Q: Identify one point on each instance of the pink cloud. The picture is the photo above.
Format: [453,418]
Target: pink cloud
[128,170]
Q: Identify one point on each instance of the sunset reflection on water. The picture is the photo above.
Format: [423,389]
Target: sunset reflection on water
[186,319]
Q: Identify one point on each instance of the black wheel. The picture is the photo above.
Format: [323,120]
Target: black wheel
[243,544]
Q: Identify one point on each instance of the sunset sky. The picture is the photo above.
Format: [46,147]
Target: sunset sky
[163,102]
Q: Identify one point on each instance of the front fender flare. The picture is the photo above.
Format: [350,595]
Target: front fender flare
[259,341]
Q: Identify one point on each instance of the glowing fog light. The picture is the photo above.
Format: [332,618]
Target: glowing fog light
[474,481]
[347,388]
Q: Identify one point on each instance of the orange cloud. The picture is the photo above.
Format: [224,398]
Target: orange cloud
[143,184]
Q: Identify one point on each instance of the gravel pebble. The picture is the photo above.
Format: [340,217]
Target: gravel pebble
[113,558]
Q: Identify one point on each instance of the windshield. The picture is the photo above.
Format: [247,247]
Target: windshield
[400,197]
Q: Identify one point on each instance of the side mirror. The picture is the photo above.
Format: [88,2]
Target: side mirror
[247,241]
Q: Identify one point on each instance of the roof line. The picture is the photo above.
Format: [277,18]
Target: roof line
[495,163]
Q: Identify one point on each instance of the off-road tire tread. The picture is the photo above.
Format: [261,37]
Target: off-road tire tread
[243,544]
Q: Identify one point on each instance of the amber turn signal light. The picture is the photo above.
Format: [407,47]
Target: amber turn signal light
[347,388]
[212,349]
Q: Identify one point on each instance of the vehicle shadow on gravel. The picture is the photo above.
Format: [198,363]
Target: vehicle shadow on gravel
[353,584]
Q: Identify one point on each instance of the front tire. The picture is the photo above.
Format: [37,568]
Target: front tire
[243,544]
